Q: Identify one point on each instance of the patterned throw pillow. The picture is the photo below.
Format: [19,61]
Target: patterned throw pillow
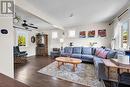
[98,50]
[111,54]
[103,54]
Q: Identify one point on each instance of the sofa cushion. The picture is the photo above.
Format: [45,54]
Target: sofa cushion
[103,54]
[55,52]
[118,52]
[98,50]
[87,50]
[77,50]
[68,50]
[65,54]
[111,54]
[76,55]
[87,56]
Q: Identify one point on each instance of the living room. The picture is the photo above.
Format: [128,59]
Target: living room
[66,43]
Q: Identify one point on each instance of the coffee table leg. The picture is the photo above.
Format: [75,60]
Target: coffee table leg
[59,64]
[62,63]
[74,67]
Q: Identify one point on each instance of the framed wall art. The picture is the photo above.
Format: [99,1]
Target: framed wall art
[82,34]
[21,38]
[91,33]
[102,33]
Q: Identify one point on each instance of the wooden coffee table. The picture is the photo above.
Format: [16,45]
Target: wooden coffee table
[63,60]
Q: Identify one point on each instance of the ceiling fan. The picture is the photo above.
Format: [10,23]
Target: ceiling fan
[24,24]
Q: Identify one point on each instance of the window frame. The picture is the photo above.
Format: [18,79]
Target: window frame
[54,35]
[72,31]
[121,34]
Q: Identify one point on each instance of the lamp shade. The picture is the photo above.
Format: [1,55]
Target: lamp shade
[61,40]
[123,59]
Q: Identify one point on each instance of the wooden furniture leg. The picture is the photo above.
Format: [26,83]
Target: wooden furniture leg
[74,67]
[108,72]
[59,64]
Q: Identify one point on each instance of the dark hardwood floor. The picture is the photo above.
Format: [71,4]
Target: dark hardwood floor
[27,73]
[6,81]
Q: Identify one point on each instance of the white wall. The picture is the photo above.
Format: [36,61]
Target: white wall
[30,48]
[101,41]
[6,46]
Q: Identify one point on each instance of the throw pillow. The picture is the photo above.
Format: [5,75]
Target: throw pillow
[111,54]
[103,54]
[98,50]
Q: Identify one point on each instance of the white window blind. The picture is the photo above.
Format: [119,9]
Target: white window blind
[54,35]
[71,33]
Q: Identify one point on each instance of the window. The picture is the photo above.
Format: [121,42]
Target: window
[54,35]
[72,33]
[124,35]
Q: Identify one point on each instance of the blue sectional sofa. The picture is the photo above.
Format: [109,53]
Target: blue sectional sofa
[88,54]
[83,53]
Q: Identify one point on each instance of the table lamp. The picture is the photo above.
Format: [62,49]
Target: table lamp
[123,59]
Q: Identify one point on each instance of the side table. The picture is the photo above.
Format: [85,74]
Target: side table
[109,64]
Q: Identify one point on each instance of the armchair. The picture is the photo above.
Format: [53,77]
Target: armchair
[19,55]
[67,51]
[55,52]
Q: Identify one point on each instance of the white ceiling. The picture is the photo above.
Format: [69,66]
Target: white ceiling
[31,19]
[84,11]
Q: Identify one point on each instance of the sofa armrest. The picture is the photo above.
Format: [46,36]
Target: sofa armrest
[102,72]
[23,51]
[100,69]
[62,51]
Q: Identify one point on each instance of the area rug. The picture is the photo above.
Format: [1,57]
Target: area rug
[83,75]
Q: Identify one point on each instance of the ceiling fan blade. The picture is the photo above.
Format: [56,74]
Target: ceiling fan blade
[24,24]
[33,27]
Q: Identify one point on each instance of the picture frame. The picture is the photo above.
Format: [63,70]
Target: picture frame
[33,39]
[21,38]
[82,34]
[102,33]
[91,33]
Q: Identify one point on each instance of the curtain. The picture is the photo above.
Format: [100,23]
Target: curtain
[115,43]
